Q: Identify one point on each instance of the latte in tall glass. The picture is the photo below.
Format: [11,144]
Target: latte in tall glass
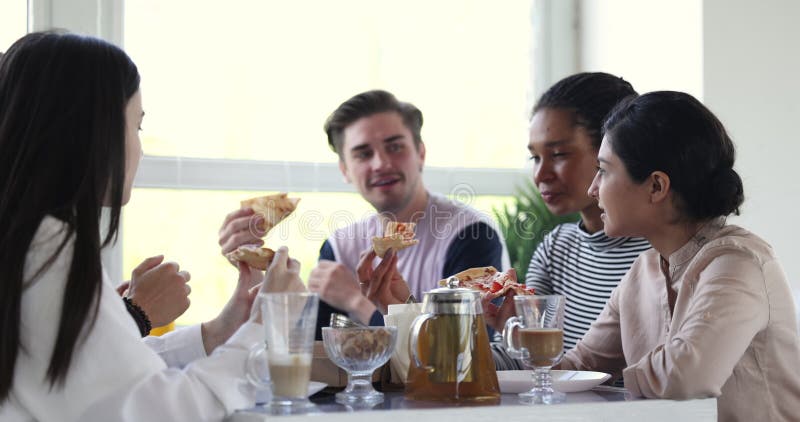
[544,345]
[290,374]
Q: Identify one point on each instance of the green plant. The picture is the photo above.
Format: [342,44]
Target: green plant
[525,223]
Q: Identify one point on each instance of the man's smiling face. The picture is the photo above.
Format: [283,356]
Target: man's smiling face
[380,158]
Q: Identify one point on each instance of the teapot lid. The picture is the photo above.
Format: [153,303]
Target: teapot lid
[453,299]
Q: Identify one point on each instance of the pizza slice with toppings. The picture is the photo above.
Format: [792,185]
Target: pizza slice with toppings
[273,209]
[254,256]
[404,229]
[397,236]
[488,280]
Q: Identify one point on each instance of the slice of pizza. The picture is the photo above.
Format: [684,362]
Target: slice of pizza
[469,276]
[254,256]
[404,229]
[273,208]
[501,283]
[489,281]
[395,242]
[396,236]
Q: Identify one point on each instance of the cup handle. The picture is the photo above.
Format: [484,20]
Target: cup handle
[251,365]
[413,344]
[508,337]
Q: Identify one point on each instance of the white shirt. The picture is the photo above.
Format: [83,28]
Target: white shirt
[114,375]
[178,348]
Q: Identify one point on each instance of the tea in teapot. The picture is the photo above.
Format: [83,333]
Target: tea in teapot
[449,346]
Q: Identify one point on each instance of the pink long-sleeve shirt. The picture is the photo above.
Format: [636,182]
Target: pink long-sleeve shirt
[732,334]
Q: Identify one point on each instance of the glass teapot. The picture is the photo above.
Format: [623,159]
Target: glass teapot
[449,347]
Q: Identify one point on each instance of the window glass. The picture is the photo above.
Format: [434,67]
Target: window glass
[255,79]
[184,224]
[13,22]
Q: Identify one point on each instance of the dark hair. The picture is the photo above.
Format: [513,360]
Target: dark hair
[62,153]
[366,104]
[673,132]
[589,96]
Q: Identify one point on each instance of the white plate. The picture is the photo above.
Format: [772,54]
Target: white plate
[564,381]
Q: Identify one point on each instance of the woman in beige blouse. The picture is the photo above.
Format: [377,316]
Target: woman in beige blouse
[708,311]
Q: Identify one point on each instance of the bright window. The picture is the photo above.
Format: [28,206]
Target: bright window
[255,80]
[13,22]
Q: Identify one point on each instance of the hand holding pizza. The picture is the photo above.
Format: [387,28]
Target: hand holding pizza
[383,285]
[241,232]
[493,284]
[240,228]
[283,274]
[496,316]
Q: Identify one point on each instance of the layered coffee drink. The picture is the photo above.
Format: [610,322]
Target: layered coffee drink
[544,345]
[290,374]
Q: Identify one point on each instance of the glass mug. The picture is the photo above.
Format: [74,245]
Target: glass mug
[289,322]
[536,336]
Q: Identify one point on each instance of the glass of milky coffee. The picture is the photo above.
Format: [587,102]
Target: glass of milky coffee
[536,336]
[289,322]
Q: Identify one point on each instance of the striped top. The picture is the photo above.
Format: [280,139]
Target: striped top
[583,267]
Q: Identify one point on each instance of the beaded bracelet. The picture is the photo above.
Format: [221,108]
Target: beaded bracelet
[141,319]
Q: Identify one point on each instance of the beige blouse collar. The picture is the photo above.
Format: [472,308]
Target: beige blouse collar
[679,258]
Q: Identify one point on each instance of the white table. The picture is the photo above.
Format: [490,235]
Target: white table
[602,404]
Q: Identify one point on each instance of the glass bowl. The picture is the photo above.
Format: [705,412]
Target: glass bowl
[359,351]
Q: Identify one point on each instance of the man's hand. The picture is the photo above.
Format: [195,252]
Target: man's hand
[160,289]
[383,285]
[338,286]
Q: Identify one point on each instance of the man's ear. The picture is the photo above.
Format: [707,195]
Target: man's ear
[660,186]
[421,148]
[343,169]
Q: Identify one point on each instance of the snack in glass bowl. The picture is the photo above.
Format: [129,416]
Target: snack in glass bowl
[359,351]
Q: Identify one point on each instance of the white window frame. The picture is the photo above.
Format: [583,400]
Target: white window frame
[554,54]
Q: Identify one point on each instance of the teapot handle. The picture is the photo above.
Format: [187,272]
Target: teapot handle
[413,343]
[508,337]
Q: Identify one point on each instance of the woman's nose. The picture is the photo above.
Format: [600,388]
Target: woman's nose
[593,188]
[541,172]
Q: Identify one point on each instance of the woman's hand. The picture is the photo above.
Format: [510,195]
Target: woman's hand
[236,311]
[496,316]
[240,228]
[160,289]
[283,274]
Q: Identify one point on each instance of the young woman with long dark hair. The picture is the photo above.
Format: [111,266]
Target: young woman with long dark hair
[708,311]
[70,111]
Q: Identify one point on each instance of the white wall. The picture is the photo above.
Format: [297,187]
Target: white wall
[654,44]
[752,82]
[742,58]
